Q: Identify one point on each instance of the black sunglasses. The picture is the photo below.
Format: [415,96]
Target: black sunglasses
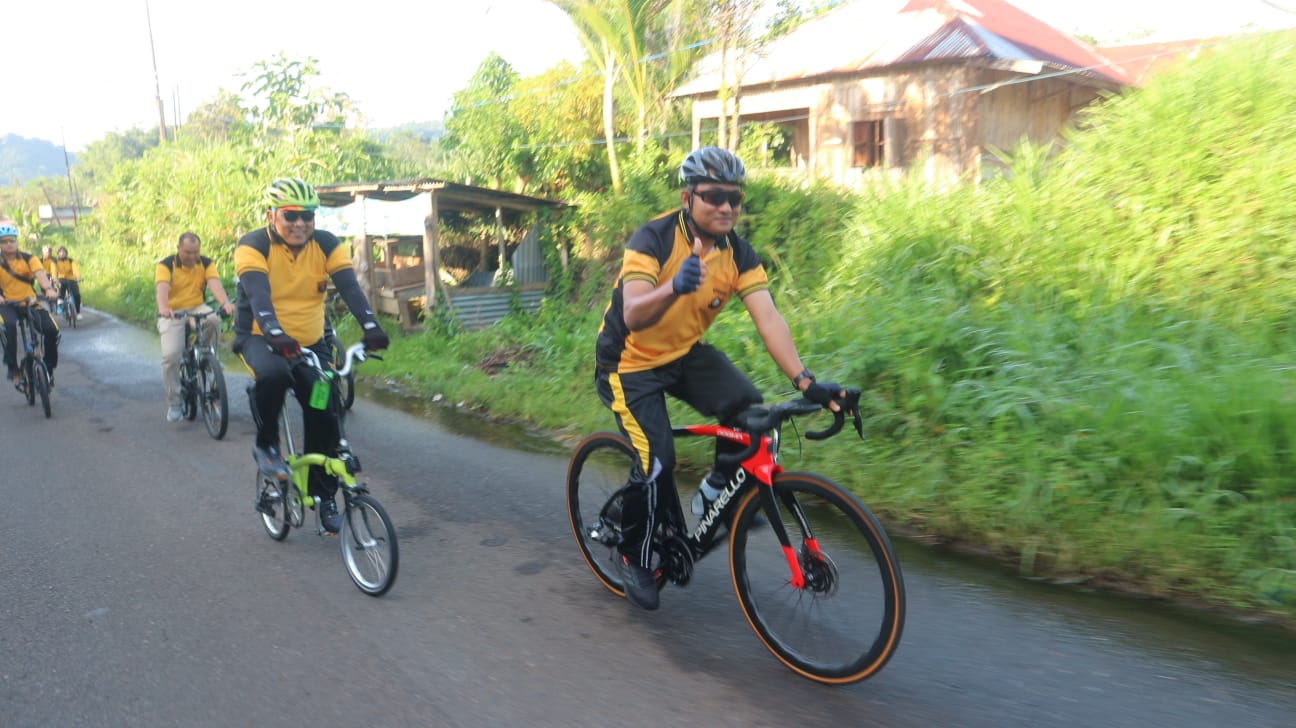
[716,198]
[295,215]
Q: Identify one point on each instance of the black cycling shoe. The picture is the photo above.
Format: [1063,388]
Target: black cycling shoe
[269,462]
[329,517]
[640,586]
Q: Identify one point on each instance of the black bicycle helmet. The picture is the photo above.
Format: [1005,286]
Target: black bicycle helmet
[712,164]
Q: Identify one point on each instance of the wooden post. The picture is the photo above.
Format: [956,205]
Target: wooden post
[364,260]
[431,258]
[500,277]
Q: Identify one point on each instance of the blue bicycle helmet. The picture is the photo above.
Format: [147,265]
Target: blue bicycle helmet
[8,231]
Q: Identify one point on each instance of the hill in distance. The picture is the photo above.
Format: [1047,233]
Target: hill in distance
[23,159]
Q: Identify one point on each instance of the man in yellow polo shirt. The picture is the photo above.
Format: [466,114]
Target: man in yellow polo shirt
[181,280]
[19,271]
[283,271]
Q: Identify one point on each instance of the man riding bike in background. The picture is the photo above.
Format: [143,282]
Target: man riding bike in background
[68,274]
[19,271]
[678,272]
[180,280]
[283,271]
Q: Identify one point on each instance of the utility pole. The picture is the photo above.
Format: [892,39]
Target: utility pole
[67,164]
[157,86]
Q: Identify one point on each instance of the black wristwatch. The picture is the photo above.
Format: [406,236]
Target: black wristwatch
[805,374]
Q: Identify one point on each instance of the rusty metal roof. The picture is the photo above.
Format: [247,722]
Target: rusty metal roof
[450,195]
[875,34]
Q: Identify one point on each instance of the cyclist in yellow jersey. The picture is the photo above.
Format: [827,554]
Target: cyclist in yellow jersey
[679,270]
[180,281]
[284,270]
[47,259]
[19,272]
[68,274]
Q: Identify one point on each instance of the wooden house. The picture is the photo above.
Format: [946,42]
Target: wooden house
[931,86]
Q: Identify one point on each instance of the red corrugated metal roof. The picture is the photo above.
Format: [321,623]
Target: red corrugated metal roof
[879,33]
[1144,59]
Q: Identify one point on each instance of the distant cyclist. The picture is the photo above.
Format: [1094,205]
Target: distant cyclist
[68,273]
[19,272]
[283,271]
[679,271]
[180,282]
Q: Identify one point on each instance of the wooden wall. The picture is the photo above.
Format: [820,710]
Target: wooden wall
[938,118]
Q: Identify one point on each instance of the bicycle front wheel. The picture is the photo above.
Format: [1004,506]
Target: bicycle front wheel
[214,400]
[29,381]
[273,502]
[345,385]
[40,378]
[189,389]
[844,623]
[599,468]
[369,548]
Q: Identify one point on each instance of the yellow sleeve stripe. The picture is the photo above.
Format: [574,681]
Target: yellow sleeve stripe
[247,259]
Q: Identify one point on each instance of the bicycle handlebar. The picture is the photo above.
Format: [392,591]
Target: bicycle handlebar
[354,354]
[762,419]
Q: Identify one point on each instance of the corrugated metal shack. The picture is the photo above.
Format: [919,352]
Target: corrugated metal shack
[419,236]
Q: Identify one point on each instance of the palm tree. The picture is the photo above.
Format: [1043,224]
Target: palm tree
[638,41]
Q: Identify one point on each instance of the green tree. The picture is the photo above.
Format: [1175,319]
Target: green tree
[480,131]
[95,164]
[558,112]
[640,48]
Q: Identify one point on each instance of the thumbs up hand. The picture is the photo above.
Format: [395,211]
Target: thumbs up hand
[691,271]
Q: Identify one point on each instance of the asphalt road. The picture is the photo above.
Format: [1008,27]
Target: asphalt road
[137,588]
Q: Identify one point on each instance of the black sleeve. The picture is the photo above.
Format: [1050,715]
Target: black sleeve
[257,287]
[349,288]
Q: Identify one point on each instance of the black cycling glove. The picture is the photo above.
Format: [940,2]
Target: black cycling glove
[375,339]
[283,344]
[821,394]
[689,276]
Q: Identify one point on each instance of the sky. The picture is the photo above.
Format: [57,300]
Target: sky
[75,70]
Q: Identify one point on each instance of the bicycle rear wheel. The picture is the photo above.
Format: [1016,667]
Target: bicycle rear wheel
[369,547]
[214,399]
[274,504]
[845,622]
[599,468]
[40,380]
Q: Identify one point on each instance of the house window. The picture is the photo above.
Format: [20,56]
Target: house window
[870,143]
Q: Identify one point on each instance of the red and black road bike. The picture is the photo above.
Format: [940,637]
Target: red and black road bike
[813,569]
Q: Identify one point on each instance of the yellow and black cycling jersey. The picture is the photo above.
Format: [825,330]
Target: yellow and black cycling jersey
[65,268]
[18,276]
[298,280]
[654,254]
[187,284]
